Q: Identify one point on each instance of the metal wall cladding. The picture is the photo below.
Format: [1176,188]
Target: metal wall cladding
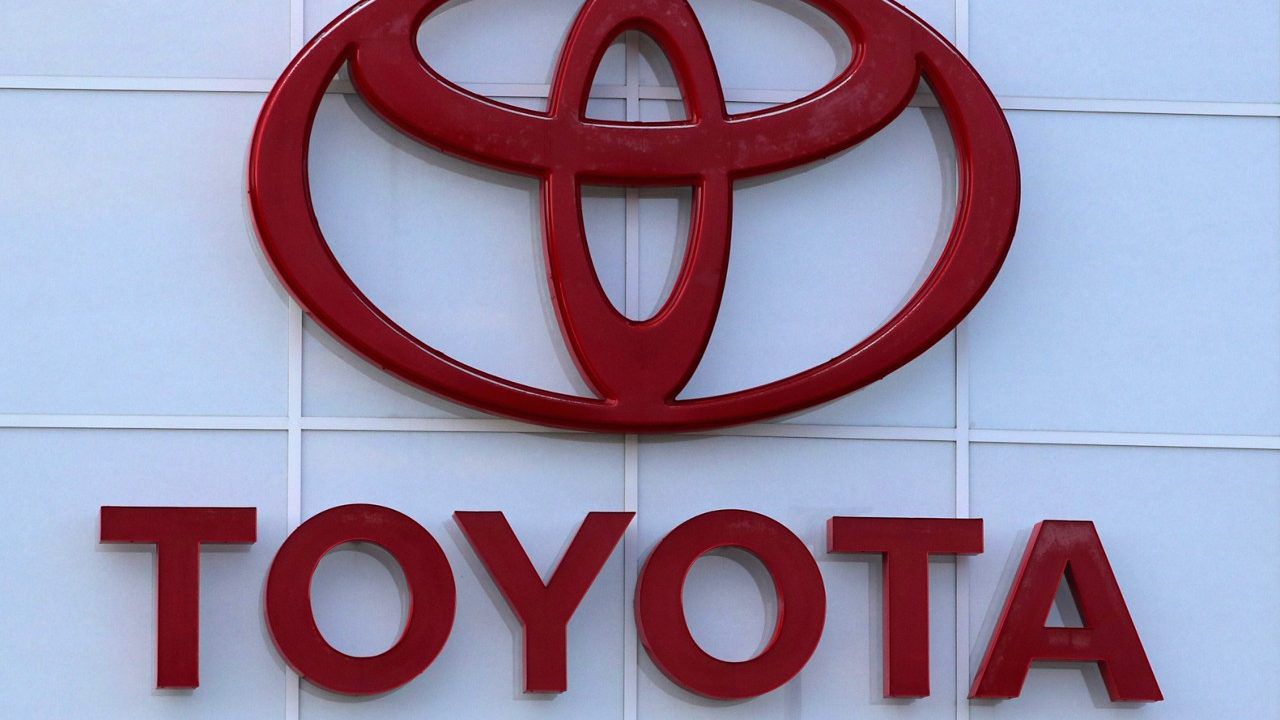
[152,358]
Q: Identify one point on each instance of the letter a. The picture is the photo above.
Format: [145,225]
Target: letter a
[1108,637]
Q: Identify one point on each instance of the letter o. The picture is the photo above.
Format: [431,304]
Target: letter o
[664,630]
[433,599]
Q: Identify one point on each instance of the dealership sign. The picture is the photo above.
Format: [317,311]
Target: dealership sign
[1056,550]
[638,368]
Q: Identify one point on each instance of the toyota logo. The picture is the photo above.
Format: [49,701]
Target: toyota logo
[637,368]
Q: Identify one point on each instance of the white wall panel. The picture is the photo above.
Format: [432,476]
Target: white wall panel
[133,279]
[801,483]
[337,383]
[757,44]
[1127,49]
[145,38]
[488,41]
[1141,293]
[777,44]
[818,314]
[1191,536]
[450,250]
[78,619]
[478,249]
[940,14]
[821,257]
[546,485]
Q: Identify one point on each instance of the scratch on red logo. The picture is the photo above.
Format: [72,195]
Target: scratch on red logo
[636,367]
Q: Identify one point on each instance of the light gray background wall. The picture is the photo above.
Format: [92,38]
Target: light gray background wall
[1124,368]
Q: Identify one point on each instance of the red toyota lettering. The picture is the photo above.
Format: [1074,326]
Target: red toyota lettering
[178,534]
[544,609]
[664,631]
[905,544]
[426,572]
[1108,638]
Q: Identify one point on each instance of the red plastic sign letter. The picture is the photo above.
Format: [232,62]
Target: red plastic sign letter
[544,609]
[178,534]
[1108,637]
[905,544]
[664,631]
[426,571]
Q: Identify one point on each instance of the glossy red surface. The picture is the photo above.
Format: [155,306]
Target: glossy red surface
[664,630]
[637,368]
[433,600]
[544,608]
[1109,638]
[178,534]
[905,545]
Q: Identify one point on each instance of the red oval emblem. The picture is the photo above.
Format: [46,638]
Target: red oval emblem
[637,367]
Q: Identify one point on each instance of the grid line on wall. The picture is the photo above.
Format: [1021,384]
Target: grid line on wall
[631,443]
[961,479]
[644,92]
[761,430]
[293,512]
[293,495]
[962,510]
